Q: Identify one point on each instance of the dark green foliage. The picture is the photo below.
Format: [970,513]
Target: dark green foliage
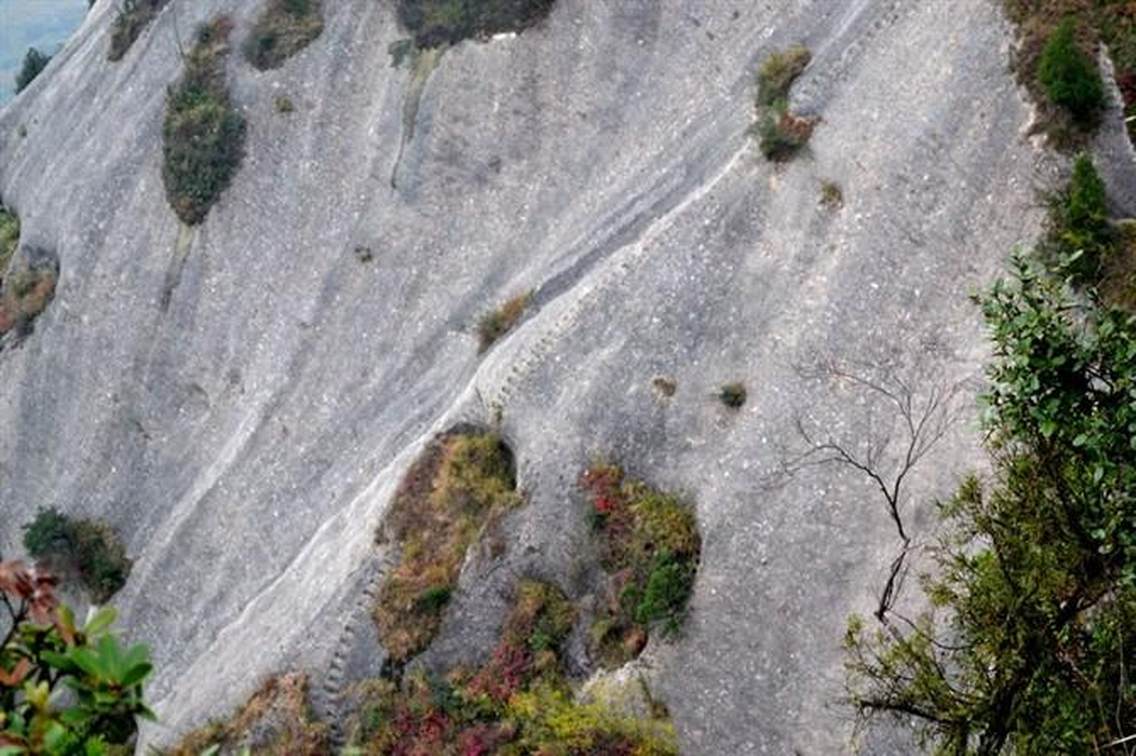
[34,62]
[1032,633]
[1080,236]
[733,395]
[285,28]
[64,689]
[132,19]
[441,22]
[204,135]
[782,134]
[1070,75]
[9,237]
[650,546]
[89,548]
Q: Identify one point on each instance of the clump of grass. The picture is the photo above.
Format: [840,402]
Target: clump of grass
[733,395]
[276,721]
[778,72]
[664,386]
[9,237]
[831,195]
[285,28]
[493,325]
[781,133]
[204,135]
[86,547]
[284,104]
[445,22]
[649,546]
[26,289]
[34,63]
[132,19]
[461,483]
[519,701]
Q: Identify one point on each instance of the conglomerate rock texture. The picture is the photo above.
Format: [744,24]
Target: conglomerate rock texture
[239,399]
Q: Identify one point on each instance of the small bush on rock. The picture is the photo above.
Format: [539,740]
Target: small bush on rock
[1070,75]
[132,19]
[778,73]
[86,547]
[285,28]
[34,63]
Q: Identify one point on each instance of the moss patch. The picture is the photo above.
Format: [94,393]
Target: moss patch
[442,22]
[88,548]
[276,721]
[495,324]
[203,134]
[778,72]
[283,29]
[519,701]
[461,483]
[132,19]
[649,546]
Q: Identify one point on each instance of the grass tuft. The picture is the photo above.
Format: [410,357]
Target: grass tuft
[9,237]
[285,28]
[831,195]
[493,325]
[781,133]
[132,19]
[460,483]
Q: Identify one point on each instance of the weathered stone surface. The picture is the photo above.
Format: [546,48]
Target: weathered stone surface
[240,400]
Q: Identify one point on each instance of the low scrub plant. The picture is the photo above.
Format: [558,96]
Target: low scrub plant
[520,700]
[1070,76]
[436,23]
[34,63]
[65,688]
[26,290]
[733,395]
[778,72]
[9,237]
[87,548]
[781,133]
[283,29]
[132,19]
[649,546]
[493,325]
[203,134]
[460,484]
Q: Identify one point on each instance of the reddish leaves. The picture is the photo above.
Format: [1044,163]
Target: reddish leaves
[32,588]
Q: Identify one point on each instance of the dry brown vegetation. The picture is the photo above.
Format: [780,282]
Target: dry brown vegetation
[459,485]
[496,324]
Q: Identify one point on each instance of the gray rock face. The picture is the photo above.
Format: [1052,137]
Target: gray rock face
[240,399]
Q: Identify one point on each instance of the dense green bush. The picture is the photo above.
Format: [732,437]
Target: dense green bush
[1031,633]
[781,133]
[285,28]
[89,548]
[440,22]
[34,62]
[132,19]
[1070,75]
[64,689]
[733,395]
[1080,237]
[204,135]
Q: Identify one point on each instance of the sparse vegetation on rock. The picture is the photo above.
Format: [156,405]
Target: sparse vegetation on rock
[459,484]
[442,22]
[34,63]
[282,30]
[276,721]
[650,547]
[831,195]
[9,237]
[781,133]
[86,548]
[733,395]
[203,134]
[132,19]
[493,325]
[519,701]
[27,288]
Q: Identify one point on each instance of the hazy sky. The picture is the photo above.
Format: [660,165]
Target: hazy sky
[43,24]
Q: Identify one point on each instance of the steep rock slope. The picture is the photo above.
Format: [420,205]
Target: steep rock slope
[240,399]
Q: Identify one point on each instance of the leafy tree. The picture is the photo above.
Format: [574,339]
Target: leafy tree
[34,62]
[1030,639]
[64,689]
[1070,75]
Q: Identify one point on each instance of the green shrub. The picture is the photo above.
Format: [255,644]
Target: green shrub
[34,62]
[778,72]
[831,195]
[86,547]
[1080,236]
[733,395]
[495,324]
[64,689]
[781,134]
[650,546]
[285,28]
[9,237]
[132,19]
[442,22]
[203,134]
[1070,75]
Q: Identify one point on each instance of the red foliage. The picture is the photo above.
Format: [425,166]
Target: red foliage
[505,673]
